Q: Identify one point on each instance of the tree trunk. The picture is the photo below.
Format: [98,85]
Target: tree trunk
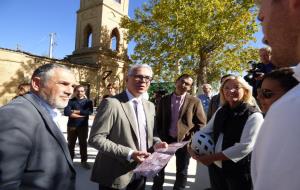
[201,71]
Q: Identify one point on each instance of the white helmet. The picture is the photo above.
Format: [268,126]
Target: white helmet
[202,143]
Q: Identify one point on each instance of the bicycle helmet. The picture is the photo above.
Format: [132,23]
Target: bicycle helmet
[202,143]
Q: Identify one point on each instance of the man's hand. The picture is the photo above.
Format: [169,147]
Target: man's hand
[259,76]
[204,159]
[161,145]
[139,156]
[191,151]
[76,114]
[76,111]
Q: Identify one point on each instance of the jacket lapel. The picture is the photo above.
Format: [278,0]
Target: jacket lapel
[52,127]
[129,112]
[147,109]
[184,106]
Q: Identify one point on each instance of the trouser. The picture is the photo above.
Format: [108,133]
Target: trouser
[182,163]
[216,178]
[81,133]
[223,181]
[136,184]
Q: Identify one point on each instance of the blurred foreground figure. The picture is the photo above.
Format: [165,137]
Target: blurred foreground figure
[275,159]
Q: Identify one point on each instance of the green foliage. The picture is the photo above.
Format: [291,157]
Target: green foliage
[205,38]
[169,87]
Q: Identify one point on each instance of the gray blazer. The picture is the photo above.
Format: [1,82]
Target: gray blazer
[114,134]
[33,152]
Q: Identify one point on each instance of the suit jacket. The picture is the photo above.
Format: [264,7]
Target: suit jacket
[33,152]
[191,117]
[213,106]
[114,134]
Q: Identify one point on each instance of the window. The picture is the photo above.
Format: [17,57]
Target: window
[114,43]
[119,1]
[115,40]
[88,36]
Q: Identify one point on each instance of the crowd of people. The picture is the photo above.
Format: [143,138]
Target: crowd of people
[256,143]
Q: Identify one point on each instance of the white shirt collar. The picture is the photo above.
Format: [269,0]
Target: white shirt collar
[53,112]
[297,72]
[131,97]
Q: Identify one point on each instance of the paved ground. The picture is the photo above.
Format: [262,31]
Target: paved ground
[198,175]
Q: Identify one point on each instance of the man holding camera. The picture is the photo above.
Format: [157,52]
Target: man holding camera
[258,70]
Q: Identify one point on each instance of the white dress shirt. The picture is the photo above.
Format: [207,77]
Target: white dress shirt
[131,98]
[53,112]
[276,156]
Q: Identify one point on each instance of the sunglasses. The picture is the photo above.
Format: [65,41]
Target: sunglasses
[265,93]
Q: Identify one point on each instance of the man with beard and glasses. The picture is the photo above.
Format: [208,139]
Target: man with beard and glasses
[275,158]
[33,151]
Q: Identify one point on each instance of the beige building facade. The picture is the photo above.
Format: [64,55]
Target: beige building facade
[100,55]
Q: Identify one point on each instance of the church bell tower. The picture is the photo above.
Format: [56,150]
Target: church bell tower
[100,42]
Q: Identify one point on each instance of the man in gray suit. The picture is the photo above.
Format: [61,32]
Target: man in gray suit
[33,152]
[123,132]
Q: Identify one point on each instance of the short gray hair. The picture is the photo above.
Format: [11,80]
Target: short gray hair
[137,66]
[44,71]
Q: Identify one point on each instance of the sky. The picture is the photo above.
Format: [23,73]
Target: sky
[27,24]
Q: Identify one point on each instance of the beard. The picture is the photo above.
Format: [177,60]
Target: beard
[61,104]
[54,101]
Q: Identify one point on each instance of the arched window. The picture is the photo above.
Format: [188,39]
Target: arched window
[115,40]
[114,43]
[88,36]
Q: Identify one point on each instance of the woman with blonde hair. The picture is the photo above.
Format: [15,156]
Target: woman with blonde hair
[234,128]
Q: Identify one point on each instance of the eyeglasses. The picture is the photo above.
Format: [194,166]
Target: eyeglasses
[142,78]
[265,93]
[229,88]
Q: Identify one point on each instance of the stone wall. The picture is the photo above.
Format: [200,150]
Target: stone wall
[16,67]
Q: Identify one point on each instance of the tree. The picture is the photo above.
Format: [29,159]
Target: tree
[204,38]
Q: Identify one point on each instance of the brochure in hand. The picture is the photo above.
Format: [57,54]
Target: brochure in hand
[157,160]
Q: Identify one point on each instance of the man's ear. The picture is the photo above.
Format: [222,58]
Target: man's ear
[36,83]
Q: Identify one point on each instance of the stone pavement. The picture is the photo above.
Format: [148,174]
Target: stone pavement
[197,180]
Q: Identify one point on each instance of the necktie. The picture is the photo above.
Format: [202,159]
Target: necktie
[141,120]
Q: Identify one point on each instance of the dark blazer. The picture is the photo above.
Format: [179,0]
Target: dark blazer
[33,152]
[114,134]
[213,106]
[191,117]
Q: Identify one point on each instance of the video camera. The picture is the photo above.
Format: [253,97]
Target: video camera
[255,71]
[161,92]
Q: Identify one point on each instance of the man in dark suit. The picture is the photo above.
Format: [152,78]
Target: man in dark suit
[123,132]
[33,151]
[179,116]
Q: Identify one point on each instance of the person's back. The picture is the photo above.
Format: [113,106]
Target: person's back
[280,126]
